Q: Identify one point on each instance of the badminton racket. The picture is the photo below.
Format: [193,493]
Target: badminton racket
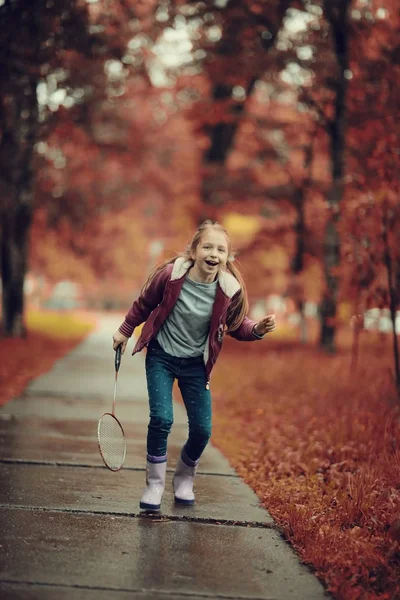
[110,433]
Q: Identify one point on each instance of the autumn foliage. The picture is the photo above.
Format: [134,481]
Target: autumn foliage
[50,336]
[320,446]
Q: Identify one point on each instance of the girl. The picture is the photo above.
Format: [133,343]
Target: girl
[187,304]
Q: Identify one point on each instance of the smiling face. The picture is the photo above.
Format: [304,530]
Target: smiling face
[210,255]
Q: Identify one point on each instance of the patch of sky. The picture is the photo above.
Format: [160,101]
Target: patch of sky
[139,41]
[382,13]
[356,15]
[78,93]
[239,93]
[162,14]
[160,78]
[48,95]
[41,147]
[180,21]
[294,74]
[172,51]
[199,54]
[214,33]
[68,102]
[173,48]
[57,98]
[314,9]
[304,52]
[296,21]
[42,93]
[114,69]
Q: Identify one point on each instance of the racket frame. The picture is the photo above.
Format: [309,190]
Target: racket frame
[112,414]
[98,441]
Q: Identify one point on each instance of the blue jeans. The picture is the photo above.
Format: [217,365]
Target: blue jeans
[161,371]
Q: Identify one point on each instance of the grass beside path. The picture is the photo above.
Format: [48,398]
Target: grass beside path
[320,445]
[51,335]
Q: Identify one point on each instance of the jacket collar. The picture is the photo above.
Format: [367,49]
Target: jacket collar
[228,283]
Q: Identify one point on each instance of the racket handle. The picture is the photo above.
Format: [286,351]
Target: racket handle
[117,358]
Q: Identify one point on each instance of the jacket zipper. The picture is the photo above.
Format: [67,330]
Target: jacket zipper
[220,337]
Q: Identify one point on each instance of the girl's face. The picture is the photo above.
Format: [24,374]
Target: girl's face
[211,254]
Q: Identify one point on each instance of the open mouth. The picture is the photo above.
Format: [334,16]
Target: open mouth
[212,263]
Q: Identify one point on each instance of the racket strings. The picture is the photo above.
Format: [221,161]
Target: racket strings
[111,442]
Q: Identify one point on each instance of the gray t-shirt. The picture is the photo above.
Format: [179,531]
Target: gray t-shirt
[185,331]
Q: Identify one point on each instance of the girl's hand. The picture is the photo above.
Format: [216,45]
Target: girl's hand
[265,325]
[120,340]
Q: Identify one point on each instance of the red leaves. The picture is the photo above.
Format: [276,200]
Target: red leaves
[25,359]
[318,450]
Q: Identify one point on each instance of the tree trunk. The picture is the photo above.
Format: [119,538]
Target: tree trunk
[337,16]
[297,264]
[14,251]
[222,134]
[393,300]
[43,28]
[222,137]
[16,212]
[300,229]
[395,344]
[328,305]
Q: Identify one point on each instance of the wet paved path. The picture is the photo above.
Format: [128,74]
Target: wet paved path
[71,529]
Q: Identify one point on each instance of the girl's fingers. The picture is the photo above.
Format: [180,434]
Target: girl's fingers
[269,321]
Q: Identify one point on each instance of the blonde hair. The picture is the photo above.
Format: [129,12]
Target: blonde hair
[238,309]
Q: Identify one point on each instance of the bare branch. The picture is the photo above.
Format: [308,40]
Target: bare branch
[324,119]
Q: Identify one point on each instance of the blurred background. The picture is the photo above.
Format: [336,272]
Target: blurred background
[124,124]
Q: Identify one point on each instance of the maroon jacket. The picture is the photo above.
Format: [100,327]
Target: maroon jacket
[154,305]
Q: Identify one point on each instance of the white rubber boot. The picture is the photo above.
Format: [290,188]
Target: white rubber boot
[183,481]
[155,481]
